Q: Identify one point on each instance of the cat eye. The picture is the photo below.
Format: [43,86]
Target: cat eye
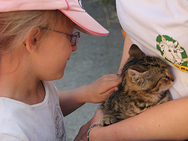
[73,37]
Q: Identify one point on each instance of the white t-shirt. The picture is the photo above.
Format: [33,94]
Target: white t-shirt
[160,28]
[39,122]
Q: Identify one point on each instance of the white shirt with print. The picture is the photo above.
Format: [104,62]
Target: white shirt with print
[39,122]
[160,28]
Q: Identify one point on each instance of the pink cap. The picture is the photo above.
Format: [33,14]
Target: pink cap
[71,8]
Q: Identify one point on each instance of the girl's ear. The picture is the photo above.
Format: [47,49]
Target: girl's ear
[32,39]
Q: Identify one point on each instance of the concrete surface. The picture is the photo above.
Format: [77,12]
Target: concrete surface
[95,57]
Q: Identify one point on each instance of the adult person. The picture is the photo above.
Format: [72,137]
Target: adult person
[160,29]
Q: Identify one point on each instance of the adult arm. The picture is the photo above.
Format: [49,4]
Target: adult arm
[95,92]
[125,55]
[167,121]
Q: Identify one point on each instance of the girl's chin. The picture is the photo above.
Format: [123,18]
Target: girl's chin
[59,76]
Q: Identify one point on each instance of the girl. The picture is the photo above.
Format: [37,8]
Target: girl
[36,41]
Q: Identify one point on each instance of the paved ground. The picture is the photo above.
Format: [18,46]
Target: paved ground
[95,57]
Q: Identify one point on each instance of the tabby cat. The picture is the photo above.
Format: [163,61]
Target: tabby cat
[145,83]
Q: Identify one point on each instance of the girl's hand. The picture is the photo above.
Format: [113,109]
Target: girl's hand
[95,92]
[100,90]
[82,134]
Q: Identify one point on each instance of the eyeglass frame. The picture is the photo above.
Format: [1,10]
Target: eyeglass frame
[71,35]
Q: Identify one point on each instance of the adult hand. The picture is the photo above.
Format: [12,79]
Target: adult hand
[82,134]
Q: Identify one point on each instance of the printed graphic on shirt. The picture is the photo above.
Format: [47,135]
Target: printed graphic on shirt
[59,125]
[172,52]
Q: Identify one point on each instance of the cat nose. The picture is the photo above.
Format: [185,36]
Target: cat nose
[169,75]
[172,78]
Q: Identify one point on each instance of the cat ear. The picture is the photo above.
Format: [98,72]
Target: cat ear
[135,76]
[138,68]
[134,51]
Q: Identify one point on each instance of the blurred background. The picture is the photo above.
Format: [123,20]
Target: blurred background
[95,57]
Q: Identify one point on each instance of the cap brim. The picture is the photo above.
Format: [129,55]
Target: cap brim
[85,23]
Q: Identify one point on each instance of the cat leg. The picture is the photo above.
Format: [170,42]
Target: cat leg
[108,119]
[164,99]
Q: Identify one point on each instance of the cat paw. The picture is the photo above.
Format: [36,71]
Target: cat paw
[107,120]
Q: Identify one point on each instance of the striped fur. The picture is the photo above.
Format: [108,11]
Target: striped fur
[145,83]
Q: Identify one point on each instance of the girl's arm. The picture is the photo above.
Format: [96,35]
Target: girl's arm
[95,92]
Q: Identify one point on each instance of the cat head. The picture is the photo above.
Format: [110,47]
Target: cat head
[148,73]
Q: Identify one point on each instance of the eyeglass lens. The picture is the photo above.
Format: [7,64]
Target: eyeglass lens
[74,39]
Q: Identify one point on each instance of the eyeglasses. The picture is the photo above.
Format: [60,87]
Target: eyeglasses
[73,37]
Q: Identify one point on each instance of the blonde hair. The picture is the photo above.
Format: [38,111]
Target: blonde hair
[15,26]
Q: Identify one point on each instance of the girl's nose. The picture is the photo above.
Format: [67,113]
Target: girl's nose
[74,48]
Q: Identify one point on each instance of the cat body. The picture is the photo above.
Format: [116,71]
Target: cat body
[145,83]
